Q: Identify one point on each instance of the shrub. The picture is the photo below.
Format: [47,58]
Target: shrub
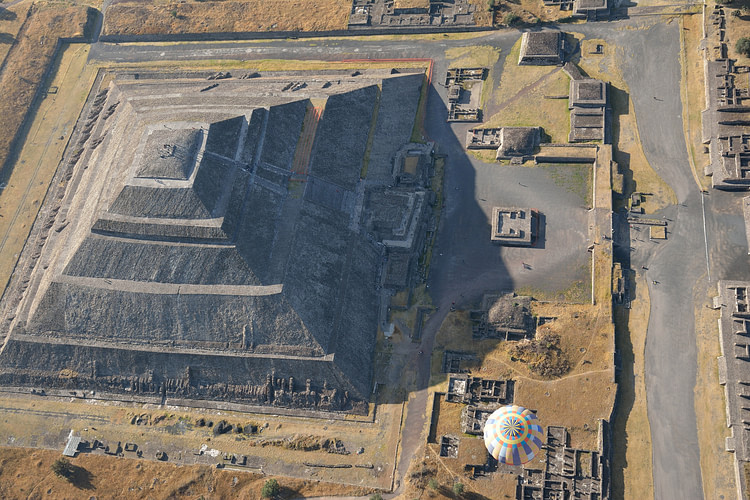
[270,489]
[743,46]
[222,428]
[458,488]
[376,496]
[433,483]
[63,468]
[511,18]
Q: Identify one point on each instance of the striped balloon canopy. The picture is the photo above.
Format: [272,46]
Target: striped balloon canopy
[513,435]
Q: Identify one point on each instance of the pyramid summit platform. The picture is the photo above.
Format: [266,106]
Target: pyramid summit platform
[210,243]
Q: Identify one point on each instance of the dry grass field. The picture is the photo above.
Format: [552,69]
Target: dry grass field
[11,20]
[529,12]
[717,465]
[632,466]
[26,473]
[585,337]
[37,161]
[693,94]
[143,18]
[220,16]
[737,27]
[432,476]
[550,114]
[29,58]
[518,99]
[281,445]
[482,16]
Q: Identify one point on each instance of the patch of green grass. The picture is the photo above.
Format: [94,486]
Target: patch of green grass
[485,155]
[296,189]
[577,179]
[522,102]
[579,291]
[474,56]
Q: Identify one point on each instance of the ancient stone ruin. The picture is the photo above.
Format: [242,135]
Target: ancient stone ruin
[505,316]
[542,48]
[589,110]
[569,472]
[221,243]
[726,119]
[512,226]
[590,10]
[464,93]
[510,142]
[734,371]
[411,13]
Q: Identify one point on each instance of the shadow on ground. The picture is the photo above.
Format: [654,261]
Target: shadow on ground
[81,478]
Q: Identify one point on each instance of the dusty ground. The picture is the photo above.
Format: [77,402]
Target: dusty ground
[693,94]
[26,473]
[522,89]
[628,152]
[529,12]
[585,341]
[549,113]
[28,59]
[140,18]
[737,27]
[177,431]
[632,469]
[482,16]
[472,56]
[585,338]
[717,465]
[11,20]
[445,471]
[38,159]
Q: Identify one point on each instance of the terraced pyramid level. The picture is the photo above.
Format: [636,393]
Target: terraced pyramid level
[202,245]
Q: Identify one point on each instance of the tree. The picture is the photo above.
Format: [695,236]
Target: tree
[743,46]
[270,489]
[376,496]
[433,483]
[458,488]
[63,468]
[490,5]
[511,18]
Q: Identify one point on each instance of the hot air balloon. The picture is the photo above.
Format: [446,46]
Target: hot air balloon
[513,435]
